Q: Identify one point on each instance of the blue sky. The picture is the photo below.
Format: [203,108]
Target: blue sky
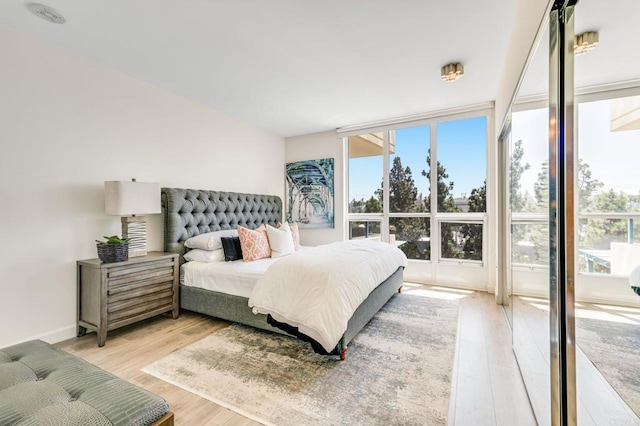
[461,150]
[612,156]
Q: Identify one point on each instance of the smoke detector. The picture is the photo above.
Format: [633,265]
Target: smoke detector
[47,13]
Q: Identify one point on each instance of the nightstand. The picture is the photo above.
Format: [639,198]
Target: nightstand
[112,295]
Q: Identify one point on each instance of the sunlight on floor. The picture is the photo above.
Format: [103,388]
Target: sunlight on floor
[610,313]
[628,309]
[603,316]
[435,292]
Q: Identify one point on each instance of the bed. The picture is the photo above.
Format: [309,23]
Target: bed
[190,212]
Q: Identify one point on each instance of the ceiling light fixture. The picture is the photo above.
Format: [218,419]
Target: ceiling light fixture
[47,13]
[585,42]
[451,72]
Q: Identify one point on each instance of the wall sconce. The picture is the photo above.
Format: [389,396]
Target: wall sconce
[129,199]
[585,42]
[451,72]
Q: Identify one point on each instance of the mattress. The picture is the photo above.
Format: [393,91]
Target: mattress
[236,278]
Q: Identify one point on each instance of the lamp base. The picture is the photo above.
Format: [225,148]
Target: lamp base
[135,228]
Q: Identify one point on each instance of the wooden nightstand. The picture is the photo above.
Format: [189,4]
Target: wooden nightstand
[112,295]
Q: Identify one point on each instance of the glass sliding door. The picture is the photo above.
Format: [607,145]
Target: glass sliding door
[575,316]
[607,194]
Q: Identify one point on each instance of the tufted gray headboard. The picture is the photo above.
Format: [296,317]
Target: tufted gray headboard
[190,212]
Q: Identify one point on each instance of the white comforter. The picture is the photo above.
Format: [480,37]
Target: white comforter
[319,289]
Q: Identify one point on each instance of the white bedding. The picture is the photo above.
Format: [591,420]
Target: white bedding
[236,278]
[318,290]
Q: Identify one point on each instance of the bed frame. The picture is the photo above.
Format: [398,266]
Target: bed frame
[190,212]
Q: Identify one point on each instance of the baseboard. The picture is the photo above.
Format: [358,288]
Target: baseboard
[51,337]
[474,287]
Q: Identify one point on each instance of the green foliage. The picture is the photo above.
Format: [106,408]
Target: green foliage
[600,233]
[402,189]
[610,202]
[412,230]
[356,206]
[446,204]
[478,199]
[517,200]
[373,205]
[472,233]
[114,239]
[444,189]
[587,187]
[541,187]
[403,198]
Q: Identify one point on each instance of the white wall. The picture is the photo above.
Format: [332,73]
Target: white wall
[67,125]
[314,147]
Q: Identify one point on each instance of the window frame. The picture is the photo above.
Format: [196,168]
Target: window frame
[436,218]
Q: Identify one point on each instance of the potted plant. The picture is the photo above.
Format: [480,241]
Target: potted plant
[114,249]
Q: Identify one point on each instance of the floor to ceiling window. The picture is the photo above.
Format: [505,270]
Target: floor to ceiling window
[609,185]
[409,189]
[423,187]
[364,210]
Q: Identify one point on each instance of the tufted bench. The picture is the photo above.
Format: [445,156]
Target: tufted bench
[42,385]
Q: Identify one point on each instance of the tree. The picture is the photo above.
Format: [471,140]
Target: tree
[472,233]
[541,187]
[372,205]
[403,198]
[402,188]
[517,200]
[445,204]
[587,187]
[356,206]
[600,233]
[444,188]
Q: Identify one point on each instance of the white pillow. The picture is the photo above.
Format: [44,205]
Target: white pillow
[198,255]
[210,240]
[280,240]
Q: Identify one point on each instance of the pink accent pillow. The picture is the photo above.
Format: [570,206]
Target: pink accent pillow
[254,244]
[295,234]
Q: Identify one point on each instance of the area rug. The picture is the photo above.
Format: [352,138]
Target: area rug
[613,346]
[398,370]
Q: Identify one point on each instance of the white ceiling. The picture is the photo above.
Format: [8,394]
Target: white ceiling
[616,59]
[291,66]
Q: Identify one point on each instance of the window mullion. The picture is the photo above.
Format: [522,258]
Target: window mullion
[434,233]
[384,226]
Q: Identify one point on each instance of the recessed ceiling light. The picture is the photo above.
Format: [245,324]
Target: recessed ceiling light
[46,13]
[451,72]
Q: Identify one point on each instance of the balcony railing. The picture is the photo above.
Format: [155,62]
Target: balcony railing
[607,242]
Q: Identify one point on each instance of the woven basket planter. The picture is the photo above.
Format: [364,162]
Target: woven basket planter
[110,253]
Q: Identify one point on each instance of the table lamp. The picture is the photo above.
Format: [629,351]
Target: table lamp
[131,200]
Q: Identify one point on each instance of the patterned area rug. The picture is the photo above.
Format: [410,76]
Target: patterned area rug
[398,370]
[614,348]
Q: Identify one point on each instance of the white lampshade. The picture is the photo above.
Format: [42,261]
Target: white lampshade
[126,198]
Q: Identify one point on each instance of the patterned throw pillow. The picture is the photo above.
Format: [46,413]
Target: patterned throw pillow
[255,244]
[295,234]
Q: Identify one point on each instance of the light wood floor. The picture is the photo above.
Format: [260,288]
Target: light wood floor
[486,387]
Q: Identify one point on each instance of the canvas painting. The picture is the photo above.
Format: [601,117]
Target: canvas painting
[309,194]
